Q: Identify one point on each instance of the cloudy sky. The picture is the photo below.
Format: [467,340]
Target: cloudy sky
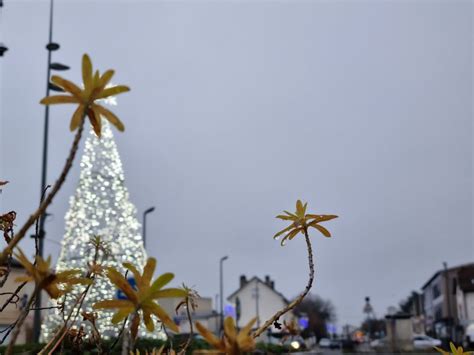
[238,108]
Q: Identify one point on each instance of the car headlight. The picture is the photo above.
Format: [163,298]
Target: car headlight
[295,345]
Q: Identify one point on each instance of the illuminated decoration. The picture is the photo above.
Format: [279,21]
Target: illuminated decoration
[229,311]
[100,206]
[303,322]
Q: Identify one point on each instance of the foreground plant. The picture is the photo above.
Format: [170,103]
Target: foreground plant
[454,350]
[233,342]
[141,303]
[300,223]
[189,302]
[55,284]
[95,88]
[95,269]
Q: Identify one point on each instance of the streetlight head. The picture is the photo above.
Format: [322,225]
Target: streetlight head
[52,46]
[54,87]
[151,209]
[58,66]
[225,258]
[3,49]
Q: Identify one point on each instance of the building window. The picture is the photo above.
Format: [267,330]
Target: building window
[436,292]
[438,314]
[455,285]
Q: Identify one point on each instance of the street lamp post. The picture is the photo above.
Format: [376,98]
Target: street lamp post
[368,310]
[147,211]
[221,285]
[51,46]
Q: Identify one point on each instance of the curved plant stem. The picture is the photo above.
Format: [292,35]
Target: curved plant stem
[47,201]
[61,333]
[119,335]
[300,298]
[191,329]
[59,336]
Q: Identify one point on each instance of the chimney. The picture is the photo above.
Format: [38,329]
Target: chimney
[267,281]
[243,281]
[272,284]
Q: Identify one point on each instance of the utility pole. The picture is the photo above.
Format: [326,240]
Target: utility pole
[50,47]
[368,310]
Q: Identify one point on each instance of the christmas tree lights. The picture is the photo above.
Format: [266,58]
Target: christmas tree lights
[100,207]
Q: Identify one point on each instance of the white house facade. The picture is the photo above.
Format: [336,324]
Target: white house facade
[258,299]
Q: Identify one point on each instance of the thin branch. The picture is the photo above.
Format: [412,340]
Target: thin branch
[19,322]
[47,201]
[43,308]
[7,267]
[65,327]
[300,298]
[119,335]
[59,341]
[61,333]
[8,330]
[59,336]
[14,294]
[6,270]
[167,335]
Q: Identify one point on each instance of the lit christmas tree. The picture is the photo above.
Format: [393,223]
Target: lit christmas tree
[100,207]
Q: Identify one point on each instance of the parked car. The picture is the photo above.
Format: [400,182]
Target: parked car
[335,344]
[348,345]
[425,342]
[378,343]
[325,343]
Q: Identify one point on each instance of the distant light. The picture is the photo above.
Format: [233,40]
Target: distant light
[229,311]
[303,322]
[295,344]
[120,294]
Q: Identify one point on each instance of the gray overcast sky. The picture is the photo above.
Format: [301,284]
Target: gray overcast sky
[237,109]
